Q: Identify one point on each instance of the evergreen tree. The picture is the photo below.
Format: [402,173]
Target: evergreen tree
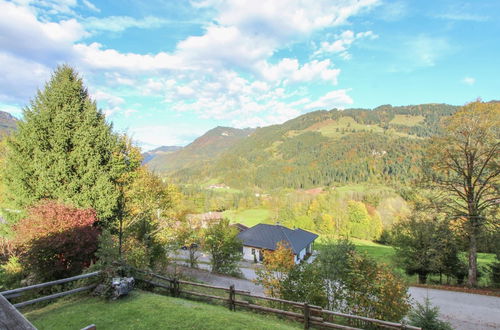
[64,150]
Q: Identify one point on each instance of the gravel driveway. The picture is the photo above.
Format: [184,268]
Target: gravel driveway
[463,310]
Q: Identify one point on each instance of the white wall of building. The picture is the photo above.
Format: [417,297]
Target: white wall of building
[248,255]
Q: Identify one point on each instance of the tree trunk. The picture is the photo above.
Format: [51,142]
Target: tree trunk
[472,279]
[422,278]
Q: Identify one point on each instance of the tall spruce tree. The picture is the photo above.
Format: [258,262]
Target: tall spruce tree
[64,150]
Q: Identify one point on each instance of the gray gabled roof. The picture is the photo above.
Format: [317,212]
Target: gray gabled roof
[268,236]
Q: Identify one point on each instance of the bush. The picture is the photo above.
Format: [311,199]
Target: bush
[11,273]
[358,285]
[495,273]
[57,240]
[425,316]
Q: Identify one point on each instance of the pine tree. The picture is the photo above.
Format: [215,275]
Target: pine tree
[65,150]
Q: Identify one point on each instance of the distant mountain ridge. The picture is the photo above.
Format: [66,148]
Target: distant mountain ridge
[150,155]
[8,123]
[206,147]
[321,148]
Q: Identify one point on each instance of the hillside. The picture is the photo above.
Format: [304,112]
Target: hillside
[163,150]
[322,148]
[7,123]
[207,147]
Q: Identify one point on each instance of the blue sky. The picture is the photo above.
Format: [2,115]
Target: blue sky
[167,71]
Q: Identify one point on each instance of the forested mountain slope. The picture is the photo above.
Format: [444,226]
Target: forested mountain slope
[163,150]
[325,148]
[208,146]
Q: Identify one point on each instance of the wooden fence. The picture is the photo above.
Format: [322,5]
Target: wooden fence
[11,318]
[14,293]
[310,315]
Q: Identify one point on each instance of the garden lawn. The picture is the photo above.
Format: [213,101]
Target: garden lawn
[249,217]
[385,254]
[144,310]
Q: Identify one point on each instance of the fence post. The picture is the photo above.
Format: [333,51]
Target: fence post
[177,288]
[172,287]
[307,313]
[232,305]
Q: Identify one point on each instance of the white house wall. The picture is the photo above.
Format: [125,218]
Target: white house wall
[247,253]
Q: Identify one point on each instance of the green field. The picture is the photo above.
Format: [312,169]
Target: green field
[249,217]
[336,129]
[385,254]
[407,120]
[143,310]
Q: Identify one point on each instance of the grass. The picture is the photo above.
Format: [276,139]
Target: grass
[333,128]
[385,254]
[249,217]
[144,310]
[407,120]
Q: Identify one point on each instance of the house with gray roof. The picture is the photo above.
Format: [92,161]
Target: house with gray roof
[263,237]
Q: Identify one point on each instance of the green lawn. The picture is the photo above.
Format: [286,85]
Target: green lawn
[249,217]
[144,310]
[385,254]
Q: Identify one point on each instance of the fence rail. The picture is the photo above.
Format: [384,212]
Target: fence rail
[310,315]
[14,293]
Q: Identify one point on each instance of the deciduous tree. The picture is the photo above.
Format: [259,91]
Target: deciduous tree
[57,240]
[277,265]
[221,241]
[464,164]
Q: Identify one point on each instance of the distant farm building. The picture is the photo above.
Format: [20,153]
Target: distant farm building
[262,237]
[204,220]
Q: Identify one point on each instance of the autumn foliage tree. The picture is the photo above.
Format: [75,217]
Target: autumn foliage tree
[277,265]
[56,240]
[463,164]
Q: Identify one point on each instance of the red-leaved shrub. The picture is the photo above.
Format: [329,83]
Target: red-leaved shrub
[57,240]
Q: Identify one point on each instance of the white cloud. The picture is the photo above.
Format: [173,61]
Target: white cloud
[228,72]
[95,57]
[424,50]
[334,99]
[343,41]
[280,19]
[153,136]
[121,23]
[20,78]
[111,104]
[393,10]
[289,70]
[91,6]
[469,81]
[27,37]
[224,46]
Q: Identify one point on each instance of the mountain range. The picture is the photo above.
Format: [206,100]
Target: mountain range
[7,123]
[321,148]
[208,146]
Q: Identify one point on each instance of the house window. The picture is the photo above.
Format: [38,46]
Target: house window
[253,251]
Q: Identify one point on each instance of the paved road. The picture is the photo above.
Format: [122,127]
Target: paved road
[463,310]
